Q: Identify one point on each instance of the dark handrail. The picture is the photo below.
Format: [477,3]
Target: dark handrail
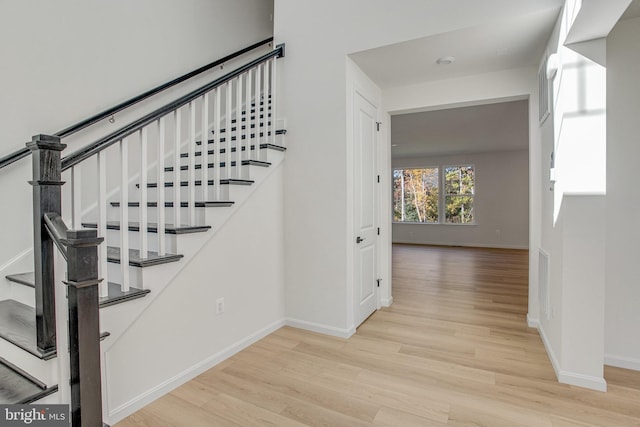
[57,229]
[24,152]
[103,143]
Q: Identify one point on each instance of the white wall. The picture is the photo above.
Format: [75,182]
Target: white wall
[501,203]
[180,335]
[572,216]
[63,61]
[622,345]
[319,35]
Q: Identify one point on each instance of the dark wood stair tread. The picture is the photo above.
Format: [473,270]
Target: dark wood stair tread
[153,227]
[116,296]
[252,136]
[26,279]
[113,255]
[197,183]
[18,387]
[18,326]
[243,127]
[233,150]
[222,165]
[212,204]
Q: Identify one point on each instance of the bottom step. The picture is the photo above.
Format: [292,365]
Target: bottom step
[18,387]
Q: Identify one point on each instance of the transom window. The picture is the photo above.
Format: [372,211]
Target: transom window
[417,197]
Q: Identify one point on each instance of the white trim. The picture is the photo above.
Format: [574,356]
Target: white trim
[386,302]
[549,349]
[320,328]
[188,374]
[533,322]
[466,245]
[622,362]
[566,377]
[16,259]
[580,380]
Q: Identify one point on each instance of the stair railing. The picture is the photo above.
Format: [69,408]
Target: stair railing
[235,110]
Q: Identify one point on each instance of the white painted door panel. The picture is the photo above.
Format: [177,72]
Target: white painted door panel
[365,192]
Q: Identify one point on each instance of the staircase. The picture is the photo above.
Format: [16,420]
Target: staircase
[160,188]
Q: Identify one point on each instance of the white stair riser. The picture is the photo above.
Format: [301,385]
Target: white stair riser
[44,370]
[114,274]
[227,192]
[22,293]
[203,215]
[243,172]
[113,239]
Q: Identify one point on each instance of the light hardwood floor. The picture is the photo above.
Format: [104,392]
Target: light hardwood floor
[454,349]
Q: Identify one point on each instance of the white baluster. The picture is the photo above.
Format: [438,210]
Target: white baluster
[124,214]
[176,168]
[76,197]
[256,120]
[247,129]
[160,179]
[272,92]
[228,114]
[191,182]
[144,243]
[102,222]
[205,147]
[265,103]
[217,146]
[239,123]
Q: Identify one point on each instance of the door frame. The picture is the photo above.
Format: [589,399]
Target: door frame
[359,83]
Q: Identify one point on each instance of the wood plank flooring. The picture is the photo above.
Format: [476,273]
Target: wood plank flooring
[454,350]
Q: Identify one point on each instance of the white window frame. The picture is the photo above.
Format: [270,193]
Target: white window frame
[439,193]
[442,197]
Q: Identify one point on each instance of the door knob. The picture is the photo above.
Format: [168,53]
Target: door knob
[359,239]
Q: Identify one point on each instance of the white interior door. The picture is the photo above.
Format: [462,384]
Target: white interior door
[365,193]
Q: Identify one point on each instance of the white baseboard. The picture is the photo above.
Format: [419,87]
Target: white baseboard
[188,374]
[533,322]
[567,377]
[549,349]
[622,362]
[320,328]
[386,302]
[586,381]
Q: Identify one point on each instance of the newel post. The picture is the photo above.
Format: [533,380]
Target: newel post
[47,180]
[84,327]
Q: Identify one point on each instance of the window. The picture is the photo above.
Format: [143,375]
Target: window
[459,184]
[415,195]
[417,199]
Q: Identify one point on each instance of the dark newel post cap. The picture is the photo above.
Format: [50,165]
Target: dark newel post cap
[49,142]
[82,238]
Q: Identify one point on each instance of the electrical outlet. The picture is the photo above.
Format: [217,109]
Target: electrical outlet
[220,306]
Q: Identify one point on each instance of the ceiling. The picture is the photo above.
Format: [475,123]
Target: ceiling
[516,42]
[482,128]
[510,43]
